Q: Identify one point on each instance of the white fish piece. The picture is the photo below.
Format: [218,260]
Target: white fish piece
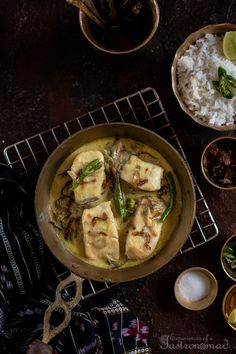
[91,186]
[141,174]
[145,230]
[101,239]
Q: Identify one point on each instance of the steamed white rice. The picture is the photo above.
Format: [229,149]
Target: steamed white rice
[196,69]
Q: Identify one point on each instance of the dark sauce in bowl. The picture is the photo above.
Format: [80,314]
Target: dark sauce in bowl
[125,32]
[123,36]
[219,162]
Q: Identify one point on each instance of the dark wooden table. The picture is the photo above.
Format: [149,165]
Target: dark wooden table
[49,74]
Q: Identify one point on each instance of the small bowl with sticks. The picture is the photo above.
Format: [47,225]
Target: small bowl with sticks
[118,26]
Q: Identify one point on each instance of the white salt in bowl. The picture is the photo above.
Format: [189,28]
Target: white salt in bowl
[196,288]
[218,29]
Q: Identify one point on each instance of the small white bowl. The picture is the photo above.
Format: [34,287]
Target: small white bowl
[200,304]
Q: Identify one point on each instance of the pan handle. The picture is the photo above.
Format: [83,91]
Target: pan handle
[59,303]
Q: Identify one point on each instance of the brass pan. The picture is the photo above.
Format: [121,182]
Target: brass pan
[172,246]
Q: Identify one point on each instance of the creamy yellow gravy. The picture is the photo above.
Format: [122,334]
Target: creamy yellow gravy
[76,246]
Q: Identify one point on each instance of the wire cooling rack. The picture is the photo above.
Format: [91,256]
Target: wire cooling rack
[143,108]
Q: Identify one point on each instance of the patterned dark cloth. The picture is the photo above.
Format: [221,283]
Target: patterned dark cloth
[27,286]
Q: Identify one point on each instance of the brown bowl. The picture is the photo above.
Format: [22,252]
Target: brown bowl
[207,174]
[206,301]
[89,32]
[191,39]
[173,244]
[228,271]
[229,304]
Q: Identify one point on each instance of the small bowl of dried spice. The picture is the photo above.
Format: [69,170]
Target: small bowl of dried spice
[218,163]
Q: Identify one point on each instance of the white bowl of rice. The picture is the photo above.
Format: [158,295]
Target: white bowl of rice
[194,68]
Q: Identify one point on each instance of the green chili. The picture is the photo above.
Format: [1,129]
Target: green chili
[223,83]
[130,205]
[224,89]
[222,86]
[119,199]
[172,195]
[221,72]
[91,167]
[231,80]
